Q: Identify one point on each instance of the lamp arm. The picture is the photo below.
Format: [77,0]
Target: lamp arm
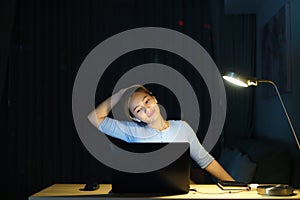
[285,111]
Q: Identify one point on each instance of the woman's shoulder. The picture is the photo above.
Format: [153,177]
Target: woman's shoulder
[182,126]
[179,122]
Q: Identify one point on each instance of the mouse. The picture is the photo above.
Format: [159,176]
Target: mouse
[91,186]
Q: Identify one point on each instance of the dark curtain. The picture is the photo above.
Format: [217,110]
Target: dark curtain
[237,51]
[7,14]
[49,41]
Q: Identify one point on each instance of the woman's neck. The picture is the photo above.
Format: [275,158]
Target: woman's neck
[159,124]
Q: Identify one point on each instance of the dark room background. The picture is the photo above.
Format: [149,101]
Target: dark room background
[45,42]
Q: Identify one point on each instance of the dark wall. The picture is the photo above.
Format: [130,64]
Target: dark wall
[270,119]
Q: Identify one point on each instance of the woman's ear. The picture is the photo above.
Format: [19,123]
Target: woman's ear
[155,99]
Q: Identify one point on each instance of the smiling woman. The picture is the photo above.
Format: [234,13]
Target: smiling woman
[144,110]
[148,125]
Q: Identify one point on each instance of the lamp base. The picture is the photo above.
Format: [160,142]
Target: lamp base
[275,190]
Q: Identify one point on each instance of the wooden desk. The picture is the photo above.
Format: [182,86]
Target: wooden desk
[72,191]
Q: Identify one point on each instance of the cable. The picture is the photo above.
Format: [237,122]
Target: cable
[225,192]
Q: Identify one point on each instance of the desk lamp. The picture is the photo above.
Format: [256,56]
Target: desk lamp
[246,82]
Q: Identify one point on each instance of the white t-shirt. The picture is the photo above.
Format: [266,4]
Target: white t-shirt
[178,131]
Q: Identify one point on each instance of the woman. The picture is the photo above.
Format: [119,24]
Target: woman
[148,125]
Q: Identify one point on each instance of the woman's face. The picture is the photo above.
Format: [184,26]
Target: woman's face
[144,107]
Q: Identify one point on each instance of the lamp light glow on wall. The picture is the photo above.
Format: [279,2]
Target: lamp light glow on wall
[246,82]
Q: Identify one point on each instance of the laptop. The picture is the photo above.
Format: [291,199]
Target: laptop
[172,179]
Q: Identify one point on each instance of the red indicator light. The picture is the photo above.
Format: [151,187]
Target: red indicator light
[180,22]
[207,26]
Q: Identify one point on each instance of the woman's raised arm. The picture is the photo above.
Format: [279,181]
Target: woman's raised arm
[102,110]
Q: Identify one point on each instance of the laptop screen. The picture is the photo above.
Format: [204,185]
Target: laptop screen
[171,179]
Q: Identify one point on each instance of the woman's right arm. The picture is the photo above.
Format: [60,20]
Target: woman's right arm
[97,116]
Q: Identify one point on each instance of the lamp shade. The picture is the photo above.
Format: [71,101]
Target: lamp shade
[232,78]
[240,81]
[245,82]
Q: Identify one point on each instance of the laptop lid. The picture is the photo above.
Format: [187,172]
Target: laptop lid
[172,179]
